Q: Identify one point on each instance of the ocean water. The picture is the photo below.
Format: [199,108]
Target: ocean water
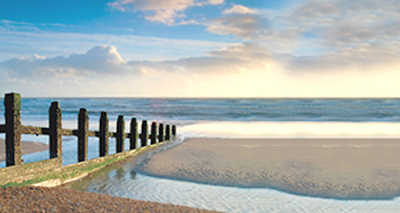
[226,118]
[204,109]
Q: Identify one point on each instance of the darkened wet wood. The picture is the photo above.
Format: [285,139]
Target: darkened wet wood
[12,103]
[55,130]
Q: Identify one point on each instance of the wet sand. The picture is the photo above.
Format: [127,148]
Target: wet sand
[332,168]
[27,147]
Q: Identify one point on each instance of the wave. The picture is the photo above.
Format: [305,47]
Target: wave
[225,129]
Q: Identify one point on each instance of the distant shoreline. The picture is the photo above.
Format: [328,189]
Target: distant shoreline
[330,168]
[26,146]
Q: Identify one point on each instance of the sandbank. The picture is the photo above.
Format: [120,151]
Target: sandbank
[26,148]
[330,168]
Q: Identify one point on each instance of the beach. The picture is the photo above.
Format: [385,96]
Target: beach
[330,168]
[59,199]
[26,148]
[62,199]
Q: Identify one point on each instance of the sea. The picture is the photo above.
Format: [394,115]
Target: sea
[221,118]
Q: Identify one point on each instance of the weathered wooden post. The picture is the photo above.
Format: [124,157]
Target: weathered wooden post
[12,103]
[120,134]
[133,135]
[161,133]
[153,136]
[83,127]
[167,133]
[173,130]
[55,133]
[103,136]
[144,135]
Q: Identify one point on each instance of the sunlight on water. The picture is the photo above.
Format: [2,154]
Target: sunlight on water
[291,130]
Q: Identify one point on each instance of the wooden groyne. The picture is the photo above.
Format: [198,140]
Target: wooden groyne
[13,130]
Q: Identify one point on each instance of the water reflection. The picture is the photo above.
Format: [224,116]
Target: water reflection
[132,175]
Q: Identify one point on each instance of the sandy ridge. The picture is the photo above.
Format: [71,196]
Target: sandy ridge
[332,168]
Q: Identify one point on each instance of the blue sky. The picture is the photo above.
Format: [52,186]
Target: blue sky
[200,48]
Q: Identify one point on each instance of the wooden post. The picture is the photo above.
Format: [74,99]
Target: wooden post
[55,131]
[144,135]
[173,130]
[161,133]
[153,136]
[83,127]
[167,133]
[133,136]
[103,137]
[120,134]
[12,103]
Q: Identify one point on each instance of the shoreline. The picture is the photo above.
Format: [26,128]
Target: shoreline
[27,147]
[349,169]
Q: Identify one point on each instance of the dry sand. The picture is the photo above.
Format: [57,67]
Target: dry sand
[27,147]
[335,168]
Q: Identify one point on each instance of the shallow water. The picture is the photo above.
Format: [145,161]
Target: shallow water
[125,181]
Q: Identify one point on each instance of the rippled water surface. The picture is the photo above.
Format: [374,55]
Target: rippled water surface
[125,182]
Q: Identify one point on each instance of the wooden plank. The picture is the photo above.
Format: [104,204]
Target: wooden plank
[12,103]
[173,130]
[92,133]
[120,134]
[83,126]
[153,136]
[144,136]
[55,131]
[161,133]
[167,133]
[103,134]
[69,132]
[32,130]
[133,135]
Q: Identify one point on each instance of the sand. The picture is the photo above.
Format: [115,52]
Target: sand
[27,147]
[331,168]
[59,199]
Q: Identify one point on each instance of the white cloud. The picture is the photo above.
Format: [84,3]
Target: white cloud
[215,2]
[241,25]
[239,9]
[320,35]
[107,60]
[357,34]
[109,73]
[240,21]
[244,70]
[100,59]
[165,11]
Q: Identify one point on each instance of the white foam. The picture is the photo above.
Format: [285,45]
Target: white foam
[291,130]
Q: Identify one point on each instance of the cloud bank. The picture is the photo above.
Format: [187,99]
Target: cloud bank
[106,60]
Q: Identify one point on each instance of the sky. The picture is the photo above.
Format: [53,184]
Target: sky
[200,48]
